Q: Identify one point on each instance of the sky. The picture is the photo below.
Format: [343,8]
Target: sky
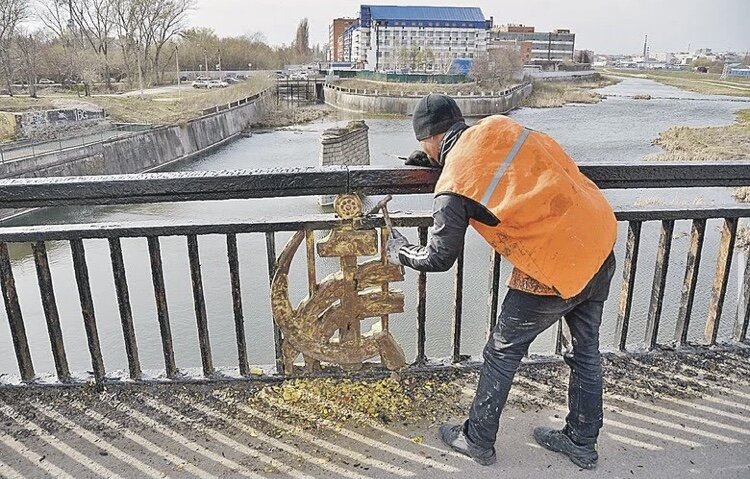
[605,26]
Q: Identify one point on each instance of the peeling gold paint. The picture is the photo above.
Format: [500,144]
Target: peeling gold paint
[325,327]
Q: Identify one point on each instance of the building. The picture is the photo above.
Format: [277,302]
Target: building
[546,49]
[335,38]
[411,38]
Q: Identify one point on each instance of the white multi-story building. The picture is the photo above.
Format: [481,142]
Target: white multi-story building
[416,38]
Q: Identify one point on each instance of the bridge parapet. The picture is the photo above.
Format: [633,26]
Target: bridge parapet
[246,184]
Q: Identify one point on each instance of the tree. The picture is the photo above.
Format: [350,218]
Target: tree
[496,66]
[583,56]
[301,44]
[96,22]
[197,44]
[12,14]
[29,46]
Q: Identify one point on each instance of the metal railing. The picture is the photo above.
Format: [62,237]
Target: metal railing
[235,104]
[419,94]
[22,150]
[245,184]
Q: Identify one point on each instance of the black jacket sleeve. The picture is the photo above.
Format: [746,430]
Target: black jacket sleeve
[446,239]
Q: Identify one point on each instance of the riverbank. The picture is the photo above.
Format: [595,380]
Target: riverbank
[715,143]
[282,116]
[553,94]
[706,83]
[168,108]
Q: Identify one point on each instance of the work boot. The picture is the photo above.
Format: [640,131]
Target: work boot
[454,436]
[583,456]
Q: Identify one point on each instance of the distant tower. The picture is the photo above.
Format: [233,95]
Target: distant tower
[645,49]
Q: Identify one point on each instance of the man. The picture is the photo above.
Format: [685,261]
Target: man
[528,200]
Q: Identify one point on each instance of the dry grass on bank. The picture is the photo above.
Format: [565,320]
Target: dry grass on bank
[171,108]
[706,83]
[552,94]
[162,109]
[715,143]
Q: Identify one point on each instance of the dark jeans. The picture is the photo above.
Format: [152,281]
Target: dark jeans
[523,317]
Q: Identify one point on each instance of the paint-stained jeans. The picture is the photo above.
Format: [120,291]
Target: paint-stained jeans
[523,317]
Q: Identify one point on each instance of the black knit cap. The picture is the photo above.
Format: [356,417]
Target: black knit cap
[435,114]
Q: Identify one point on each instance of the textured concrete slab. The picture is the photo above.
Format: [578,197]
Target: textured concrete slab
[662,419]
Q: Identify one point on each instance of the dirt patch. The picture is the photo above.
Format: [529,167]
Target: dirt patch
[395,399]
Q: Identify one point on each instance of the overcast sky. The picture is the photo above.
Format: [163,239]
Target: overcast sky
[605,26]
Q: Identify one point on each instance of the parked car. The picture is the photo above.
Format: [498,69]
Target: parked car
[217,84]
[231,80]
[200,83]
[242,77]
[45,81]
[298,76]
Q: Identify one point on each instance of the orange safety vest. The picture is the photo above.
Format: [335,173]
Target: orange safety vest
[555,225]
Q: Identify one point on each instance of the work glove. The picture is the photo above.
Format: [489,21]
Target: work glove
[420,158]
[396,241]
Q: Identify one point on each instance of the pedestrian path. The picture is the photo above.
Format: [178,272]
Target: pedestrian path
[688,420]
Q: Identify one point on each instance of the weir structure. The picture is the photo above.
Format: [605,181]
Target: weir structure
[248,184]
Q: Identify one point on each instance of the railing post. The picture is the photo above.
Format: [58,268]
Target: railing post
[199,303]
[239,320]
[494,292]
[660,279]
[458,307]
[15,317]
[724,264]
[51,314]
[277,337]
[162,311]
[691,279]
[626,293]
[743,304]
[87,307]
[422,305]
[123,302]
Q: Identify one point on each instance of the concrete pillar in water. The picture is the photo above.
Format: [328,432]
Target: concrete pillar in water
[347,146]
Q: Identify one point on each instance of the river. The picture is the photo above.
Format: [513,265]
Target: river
[618,129]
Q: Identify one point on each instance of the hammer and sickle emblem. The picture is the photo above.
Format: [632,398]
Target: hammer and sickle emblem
[325,326]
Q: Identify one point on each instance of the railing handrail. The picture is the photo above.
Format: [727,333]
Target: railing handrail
[321,221]
[272,183]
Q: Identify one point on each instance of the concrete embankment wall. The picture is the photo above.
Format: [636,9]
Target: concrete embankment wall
[373,102]
[144,151]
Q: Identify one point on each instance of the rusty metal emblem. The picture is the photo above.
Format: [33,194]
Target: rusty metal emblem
[326,326]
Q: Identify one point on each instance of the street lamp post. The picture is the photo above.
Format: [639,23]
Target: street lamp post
[177,59]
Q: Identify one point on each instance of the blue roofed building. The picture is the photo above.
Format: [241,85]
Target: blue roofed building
[416,38]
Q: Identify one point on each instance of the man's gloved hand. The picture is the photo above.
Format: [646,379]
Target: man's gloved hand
[395,242]
[420,158]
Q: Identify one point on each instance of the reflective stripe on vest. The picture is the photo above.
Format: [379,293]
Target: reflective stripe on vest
[504,167]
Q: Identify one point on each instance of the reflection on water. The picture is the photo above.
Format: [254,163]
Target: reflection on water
[616,130]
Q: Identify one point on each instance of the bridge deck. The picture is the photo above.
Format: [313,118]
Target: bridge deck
[665,416]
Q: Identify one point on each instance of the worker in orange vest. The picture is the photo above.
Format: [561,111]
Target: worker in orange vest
[527,198]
